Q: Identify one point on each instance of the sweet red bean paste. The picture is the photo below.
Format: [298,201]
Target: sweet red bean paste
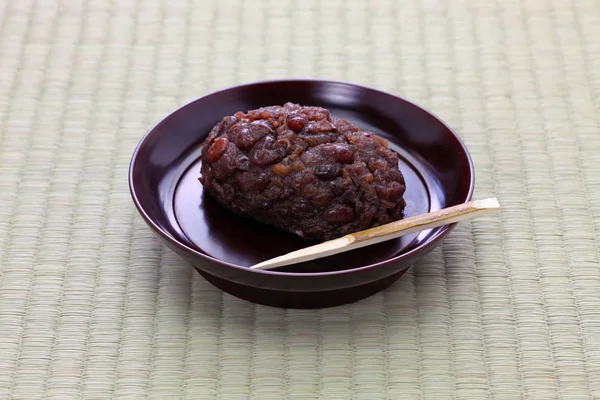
[299,169]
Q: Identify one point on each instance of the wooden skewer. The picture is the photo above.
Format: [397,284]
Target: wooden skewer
[382,233]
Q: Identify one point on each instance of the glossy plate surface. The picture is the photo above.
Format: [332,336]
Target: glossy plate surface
[164,184]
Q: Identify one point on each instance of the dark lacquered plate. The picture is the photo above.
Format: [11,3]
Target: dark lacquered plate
[164,184]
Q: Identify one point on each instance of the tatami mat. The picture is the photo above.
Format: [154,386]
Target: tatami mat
[92,306]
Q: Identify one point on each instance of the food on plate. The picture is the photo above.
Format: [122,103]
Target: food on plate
[299,169]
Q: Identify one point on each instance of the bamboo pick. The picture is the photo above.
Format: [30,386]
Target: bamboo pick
[382,233]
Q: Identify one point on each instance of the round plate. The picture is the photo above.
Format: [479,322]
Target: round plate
[221,245]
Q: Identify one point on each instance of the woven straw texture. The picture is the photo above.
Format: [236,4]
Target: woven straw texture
[93,306]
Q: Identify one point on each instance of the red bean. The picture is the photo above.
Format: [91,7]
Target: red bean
[216,150]
[317,139]
[391,192]
[263,157]
[296,124]
[340,152]
[281,169]
[248,181]
[247,134]
[339,214]
[327,171]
